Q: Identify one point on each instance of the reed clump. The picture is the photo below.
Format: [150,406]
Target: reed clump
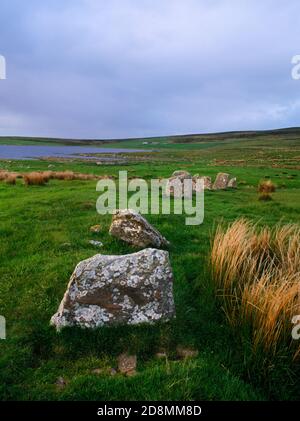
[35,179]
[266,186]
[257,274]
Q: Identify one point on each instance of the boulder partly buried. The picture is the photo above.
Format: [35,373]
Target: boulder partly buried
[221,181]
[131,227]
[110,290]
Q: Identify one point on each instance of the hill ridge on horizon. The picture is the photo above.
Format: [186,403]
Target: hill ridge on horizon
[234,134]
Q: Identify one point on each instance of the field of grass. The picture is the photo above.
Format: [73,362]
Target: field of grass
[44,233]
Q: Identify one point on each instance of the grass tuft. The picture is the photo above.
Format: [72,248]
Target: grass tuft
[11,179]
[266,186]
[35,178]
[257,273]
[265,197]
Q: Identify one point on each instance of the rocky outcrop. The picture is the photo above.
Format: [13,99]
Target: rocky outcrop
[109,290]
[221,181]
[131,227]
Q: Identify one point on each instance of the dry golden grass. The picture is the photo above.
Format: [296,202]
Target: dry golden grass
[266,186]
[42,177]
[3,175]
[63,175]
[35,178]
[48,175]
[11,179]
[8,177]
[264,197]
[70,175]
[79,176]
[257,273]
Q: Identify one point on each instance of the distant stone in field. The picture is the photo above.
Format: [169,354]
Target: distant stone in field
[232,183]
[161,355]
[186,352]
[206,182]
[95,243]
[221,181]
[60,383]
[131,227]
[113,371]
[127,364]
[175,184]
[182,174]
[95,229]
[65,245]
[98,371]
[109,290]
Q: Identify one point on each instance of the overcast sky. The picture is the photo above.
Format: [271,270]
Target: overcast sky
[136,68]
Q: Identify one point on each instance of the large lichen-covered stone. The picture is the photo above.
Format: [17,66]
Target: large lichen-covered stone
[108,290]
[133,228]
[221,181]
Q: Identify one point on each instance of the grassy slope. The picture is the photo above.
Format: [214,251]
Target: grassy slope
[35,265]
[173,141]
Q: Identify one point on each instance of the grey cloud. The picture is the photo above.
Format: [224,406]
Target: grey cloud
[126,68]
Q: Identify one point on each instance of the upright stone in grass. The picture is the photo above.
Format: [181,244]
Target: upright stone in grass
[181,173]
[175,185]
[221,181]
[207,183]
[109,290]
[232,183]
[133,228]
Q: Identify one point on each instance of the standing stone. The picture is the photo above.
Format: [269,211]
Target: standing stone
[206,182]
[175,183]
[182,174]
[109,290]
[221,181]
[232,183]
[133,228]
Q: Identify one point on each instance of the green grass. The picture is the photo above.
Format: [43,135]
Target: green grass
[44,233]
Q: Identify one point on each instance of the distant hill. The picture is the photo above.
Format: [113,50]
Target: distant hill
[291,132]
